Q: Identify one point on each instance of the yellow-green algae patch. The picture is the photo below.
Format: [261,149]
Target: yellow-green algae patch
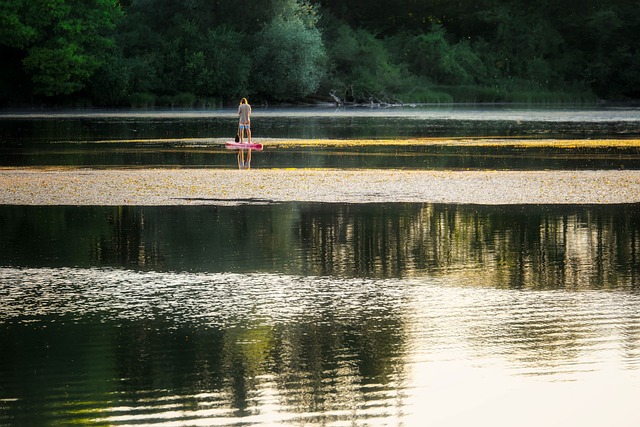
[439,141]
[466,142]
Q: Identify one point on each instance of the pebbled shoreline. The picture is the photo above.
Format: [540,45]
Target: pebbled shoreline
[173,186]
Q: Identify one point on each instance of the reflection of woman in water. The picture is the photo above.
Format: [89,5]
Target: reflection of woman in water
[241,162]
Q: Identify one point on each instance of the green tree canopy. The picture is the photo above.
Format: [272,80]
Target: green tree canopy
[61,43]
[172,52]
[288,58]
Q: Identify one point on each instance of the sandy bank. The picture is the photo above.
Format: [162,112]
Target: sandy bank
[33,186]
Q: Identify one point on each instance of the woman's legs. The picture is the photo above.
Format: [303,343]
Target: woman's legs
[241,129]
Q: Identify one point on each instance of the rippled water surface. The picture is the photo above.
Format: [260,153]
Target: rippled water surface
[304,314]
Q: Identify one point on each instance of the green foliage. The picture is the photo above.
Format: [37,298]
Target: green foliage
[431,55]
[63,41]
[111,83]
[59,67]
[288,57]
[142,100]
[221,67]
[109,52]
[361,66]
[15,31]
[184,100]
[181,57]
[428,95]
[301,10]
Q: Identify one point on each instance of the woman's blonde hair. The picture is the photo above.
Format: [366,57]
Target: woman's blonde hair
[244,101]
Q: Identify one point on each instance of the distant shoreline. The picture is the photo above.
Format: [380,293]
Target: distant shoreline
[173,187]
[507,111]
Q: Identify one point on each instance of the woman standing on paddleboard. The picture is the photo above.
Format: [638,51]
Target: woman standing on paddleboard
[244,111]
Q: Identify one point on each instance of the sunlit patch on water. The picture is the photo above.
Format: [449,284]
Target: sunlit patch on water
[211,300]
[115,346]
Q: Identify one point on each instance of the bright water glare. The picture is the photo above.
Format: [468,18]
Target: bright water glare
[223,349]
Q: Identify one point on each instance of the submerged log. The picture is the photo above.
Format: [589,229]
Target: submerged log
[368,100]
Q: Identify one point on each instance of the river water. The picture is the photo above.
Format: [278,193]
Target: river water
[195,138]
[315,314]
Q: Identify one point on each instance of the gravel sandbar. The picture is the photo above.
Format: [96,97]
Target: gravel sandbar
[67,186]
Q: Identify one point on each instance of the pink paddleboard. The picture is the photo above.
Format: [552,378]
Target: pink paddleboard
[243,145]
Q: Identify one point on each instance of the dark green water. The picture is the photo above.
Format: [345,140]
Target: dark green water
[195,139]
[304,314]
[319,123]
[318,314]
[528,246]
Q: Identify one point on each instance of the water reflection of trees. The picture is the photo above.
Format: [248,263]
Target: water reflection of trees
[324,368]
[505,246]
[328,362]
[515,246]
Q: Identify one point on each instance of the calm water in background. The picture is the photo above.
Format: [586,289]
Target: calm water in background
[314,314]
[195,138]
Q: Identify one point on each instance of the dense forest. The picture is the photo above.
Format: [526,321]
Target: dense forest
[208,53]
